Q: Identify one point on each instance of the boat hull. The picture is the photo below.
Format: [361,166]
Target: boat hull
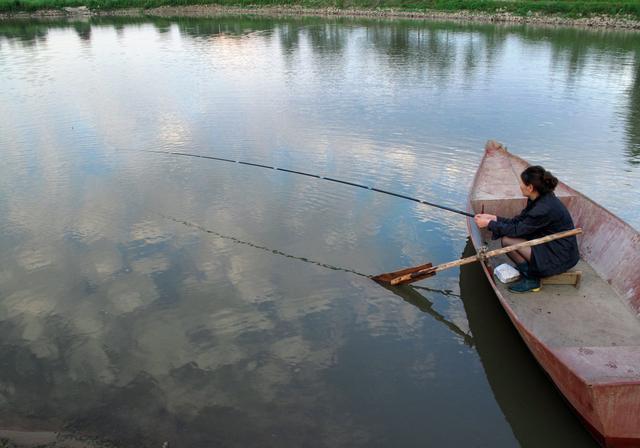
[600,383]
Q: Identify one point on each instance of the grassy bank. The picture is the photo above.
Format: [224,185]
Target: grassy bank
[567,8]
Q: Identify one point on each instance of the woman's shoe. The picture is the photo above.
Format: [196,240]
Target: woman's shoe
[526,284]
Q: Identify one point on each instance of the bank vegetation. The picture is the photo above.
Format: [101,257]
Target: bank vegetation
[607,11]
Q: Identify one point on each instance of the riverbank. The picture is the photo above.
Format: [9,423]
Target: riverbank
[619,21]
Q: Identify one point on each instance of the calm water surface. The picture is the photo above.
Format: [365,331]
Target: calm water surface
[146,297]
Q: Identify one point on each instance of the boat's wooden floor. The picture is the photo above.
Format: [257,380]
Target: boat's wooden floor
[592,315]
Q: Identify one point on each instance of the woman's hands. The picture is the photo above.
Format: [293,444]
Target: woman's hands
[482,220]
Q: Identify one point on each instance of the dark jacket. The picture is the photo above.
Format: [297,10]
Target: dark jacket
[542,217]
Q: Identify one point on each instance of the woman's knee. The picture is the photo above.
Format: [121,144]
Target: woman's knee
[506,241]
[509,241]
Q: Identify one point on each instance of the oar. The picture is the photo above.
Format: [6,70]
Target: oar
[410,275]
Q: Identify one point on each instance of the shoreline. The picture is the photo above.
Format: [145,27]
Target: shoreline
[595,22]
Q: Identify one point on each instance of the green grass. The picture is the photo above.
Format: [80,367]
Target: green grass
[570,8]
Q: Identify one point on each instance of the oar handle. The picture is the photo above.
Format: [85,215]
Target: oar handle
[483,256]
[535,242]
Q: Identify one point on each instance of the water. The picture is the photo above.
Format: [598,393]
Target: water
[147,297]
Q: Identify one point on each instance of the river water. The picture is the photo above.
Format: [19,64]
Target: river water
[148,298]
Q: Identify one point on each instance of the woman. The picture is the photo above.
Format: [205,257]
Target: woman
[543,215]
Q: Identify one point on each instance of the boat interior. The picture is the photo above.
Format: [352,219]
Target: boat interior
[603,310]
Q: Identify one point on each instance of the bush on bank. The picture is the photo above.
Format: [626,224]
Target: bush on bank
[570,8]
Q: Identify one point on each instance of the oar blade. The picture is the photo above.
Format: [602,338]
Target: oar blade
[413,278]
[387,278]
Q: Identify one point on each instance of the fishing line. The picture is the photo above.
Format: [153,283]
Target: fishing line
[445,292]
[264,248]
[423,304]
[302,173]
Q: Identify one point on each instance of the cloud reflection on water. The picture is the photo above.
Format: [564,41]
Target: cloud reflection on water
[121,323]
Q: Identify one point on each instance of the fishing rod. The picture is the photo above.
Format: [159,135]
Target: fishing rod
[330,179]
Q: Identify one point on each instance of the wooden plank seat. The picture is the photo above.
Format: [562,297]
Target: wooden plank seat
[566,278]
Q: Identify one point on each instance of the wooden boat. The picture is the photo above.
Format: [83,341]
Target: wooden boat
[521,389]
[586,338]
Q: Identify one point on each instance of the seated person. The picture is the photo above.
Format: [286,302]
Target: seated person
[543,215]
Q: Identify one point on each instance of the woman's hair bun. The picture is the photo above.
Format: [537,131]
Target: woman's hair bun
[542,180]
[550,180]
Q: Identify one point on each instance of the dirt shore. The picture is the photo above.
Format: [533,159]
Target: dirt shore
[602,22]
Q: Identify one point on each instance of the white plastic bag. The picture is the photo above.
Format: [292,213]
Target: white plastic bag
[506,273]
